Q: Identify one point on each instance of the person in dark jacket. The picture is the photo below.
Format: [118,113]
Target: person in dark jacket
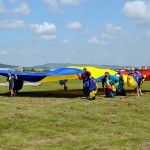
[91,87]
[11,80]
[106,77]
[120,89]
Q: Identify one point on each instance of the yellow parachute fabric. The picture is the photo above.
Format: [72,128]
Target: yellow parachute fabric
[125,78]
[95,72]
[92,94]
[131,82]
[57,78]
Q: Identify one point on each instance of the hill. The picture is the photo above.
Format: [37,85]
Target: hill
[7,66]
[61,65]
[50,66]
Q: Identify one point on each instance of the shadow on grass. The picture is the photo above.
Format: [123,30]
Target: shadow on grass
[43,94]
[75,93]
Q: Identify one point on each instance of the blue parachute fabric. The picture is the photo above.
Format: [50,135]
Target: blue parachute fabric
[64,71]
[25,76]
[100,78]
[35,77]
[61,82]
[114,78]
[4,72]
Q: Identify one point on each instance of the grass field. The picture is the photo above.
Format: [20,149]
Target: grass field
[45,117]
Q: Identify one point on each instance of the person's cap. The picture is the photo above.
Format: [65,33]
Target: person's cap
[136,69]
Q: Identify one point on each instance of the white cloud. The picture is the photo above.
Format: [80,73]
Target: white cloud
[109,34]
[70,2]
[93,41]
[46,31]
[44,28]
[23,9]
[74,25]
[52,3]
[96,41]
[56,5]
[12,24]
[138,9]
[4,53]
[48,37]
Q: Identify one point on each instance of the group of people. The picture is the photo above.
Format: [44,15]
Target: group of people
[112,84]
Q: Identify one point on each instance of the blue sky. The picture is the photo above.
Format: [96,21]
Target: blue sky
[111,32]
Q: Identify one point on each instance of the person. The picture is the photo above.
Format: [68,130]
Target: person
[120,89]
[91,88]
[64,82]
[110,84]
[85,77]
[139,79]
[109,89]
[106,77]
[11,80]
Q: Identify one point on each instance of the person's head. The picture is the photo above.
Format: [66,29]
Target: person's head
[84,69]
[9,74]
[107,74]
[136,70]
[119,71]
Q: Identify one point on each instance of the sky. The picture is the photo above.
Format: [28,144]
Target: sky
[109,32]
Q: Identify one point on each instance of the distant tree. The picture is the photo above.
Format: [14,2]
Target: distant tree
[33,70]
[25,70]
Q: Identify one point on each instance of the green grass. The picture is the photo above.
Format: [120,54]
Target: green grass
[46,117]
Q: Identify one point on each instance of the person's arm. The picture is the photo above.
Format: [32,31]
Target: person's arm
[16,77]
[80,77]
